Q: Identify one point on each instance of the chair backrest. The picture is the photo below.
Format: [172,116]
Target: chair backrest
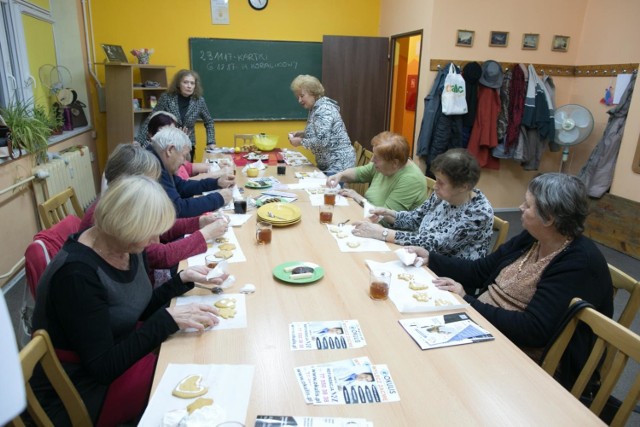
[40,351]
[501,227]
[53,210]
[431,183]
[622,280]
[612,337]
[366,157]
[359,150]
[45,246]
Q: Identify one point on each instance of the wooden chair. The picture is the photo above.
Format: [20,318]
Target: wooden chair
[366,157]
[610,335]
[622,280]
[40,350]
[431,183]
[52,211]
[359,150]
[501,227]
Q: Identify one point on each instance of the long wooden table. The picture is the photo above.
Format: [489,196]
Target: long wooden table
[489,383]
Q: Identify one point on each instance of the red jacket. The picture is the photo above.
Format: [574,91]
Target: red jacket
[484,135]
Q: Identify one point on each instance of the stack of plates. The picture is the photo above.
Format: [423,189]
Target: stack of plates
[280,214]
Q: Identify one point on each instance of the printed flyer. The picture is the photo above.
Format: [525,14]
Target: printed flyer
[326,335]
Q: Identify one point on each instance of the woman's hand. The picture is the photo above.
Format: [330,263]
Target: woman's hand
[198,273]
[447,284]
[215,229]
[367,229]
[296,141]
[333,180]
[227,180]
[227,195]
[347,192]
[211,217]
[197,316]
[378,214]
[422,255]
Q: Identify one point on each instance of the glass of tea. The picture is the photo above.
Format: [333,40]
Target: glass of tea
[326,214]
[240,206]
[330,195]
[282,169]
[263,232]
[211,261]
[379,285]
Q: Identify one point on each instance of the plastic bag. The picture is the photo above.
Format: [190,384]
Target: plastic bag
[454,101]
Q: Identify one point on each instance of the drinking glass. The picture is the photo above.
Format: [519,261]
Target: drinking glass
[263,232]
[326,214]
[379,285]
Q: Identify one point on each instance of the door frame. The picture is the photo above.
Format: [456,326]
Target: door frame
[392,52]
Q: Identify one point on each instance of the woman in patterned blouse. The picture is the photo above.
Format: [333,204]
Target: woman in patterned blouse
[456,220]
[325,134]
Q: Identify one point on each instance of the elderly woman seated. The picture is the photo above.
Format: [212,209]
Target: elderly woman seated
[456,220]
[395,182]
[531,279]
[96,290]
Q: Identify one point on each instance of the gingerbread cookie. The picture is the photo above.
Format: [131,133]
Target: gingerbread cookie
[227,313]
[223,254]
[200,402]
[190,387]
[417,286]
[353,244]
[227,247]
[225,303]
[421,296]
[221,240]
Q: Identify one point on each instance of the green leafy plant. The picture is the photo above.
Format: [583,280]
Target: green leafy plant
[28,130]
[48,116]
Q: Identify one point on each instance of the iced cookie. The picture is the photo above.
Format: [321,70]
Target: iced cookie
[200,402]
[221,240]
[225,303]
[227,247]
[190,387]
[405,276]
[227,312]
[342,235]
[223,254]
[417,286]
[421,296]
[353,244]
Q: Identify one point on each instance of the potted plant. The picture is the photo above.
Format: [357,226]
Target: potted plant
[51,117]
[27,131]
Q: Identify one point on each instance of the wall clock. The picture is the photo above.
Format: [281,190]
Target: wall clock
[258,4]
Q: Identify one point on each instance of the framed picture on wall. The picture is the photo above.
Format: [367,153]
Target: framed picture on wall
[560,44]
[530,41]
[465,38]
[114,53]
[499,39]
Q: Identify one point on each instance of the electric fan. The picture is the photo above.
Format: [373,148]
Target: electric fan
[573,124]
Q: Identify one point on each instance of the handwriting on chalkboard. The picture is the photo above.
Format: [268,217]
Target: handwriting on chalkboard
[220,61]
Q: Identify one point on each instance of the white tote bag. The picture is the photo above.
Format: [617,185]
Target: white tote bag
[454,101]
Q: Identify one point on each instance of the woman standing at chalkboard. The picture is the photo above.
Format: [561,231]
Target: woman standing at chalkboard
[184,100]
[325,134]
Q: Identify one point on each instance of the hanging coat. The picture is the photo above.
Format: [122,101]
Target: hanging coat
[432,110]
[484,135]
[597,173]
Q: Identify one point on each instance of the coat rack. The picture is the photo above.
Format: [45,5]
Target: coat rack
[552,69]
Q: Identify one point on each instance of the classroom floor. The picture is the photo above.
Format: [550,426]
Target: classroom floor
[626,263]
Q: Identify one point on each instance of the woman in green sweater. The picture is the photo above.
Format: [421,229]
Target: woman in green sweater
[395,182]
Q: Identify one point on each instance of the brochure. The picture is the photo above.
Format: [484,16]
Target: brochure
[327,335]
[286,420]
[347,382]
[445,330]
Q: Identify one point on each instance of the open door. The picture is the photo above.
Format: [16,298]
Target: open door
[355,72]
[405,72]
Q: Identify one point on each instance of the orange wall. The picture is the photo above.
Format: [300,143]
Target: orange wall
[600,33]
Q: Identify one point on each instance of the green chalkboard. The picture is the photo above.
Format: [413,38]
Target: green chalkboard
[250,79]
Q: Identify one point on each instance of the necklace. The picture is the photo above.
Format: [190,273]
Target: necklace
[534,248]
[119,261]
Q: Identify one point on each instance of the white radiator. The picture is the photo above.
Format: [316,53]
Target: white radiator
[72,169]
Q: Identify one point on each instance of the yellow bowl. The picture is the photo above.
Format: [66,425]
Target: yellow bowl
[265,142]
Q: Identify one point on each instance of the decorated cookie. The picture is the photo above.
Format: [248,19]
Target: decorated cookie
[190,387]
[223,254]
[227,247]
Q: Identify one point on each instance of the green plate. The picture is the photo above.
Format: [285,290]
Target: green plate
[280,274]
[257,184]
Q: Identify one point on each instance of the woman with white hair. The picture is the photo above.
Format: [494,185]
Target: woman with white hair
[171,146]
[325,134]
[95,292]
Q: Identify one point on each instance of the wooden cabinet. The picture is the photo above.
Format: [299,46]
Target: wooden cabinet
[123,84]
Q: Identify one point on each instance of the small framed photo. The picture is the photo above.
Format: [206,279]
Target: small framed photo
[560,44]
[499,39]
[465,38]
[114,53]
[136,104]
[530,41]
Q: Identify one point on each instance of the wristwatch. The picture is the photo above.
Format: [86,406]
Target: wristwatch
[385,233]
